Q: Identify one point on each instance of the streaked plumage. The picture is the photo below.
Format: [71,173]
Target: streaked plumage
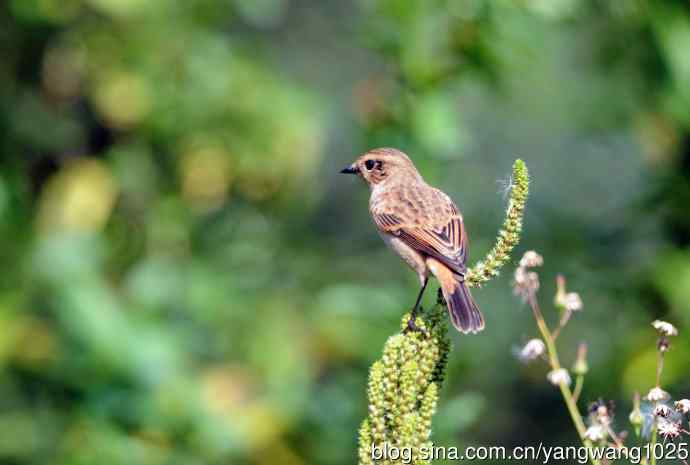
[423,226]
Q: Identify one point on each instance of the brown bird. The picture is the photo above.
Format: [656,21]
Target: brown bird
[423,226]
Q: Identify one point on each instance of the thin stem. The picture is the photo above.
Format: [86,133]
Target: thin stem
[659,367]
[615,437]
[579,381]
[561,324]
[652,445]
[556,365]
[544,329]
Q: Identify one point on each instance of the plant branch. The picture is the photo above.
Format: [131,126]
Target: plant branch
[556,365]
[579,381]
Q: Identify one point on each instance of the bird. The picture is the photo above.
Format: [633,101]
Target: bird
[424,227]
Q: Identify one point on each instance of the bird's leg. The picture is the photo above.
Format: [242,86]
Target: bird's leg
[411,326]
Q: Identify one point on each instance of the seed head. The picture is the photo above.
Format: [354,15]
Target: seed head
[668,429]
[656,394]
[603,415]
[662,410]
[601,412]
[525,282]
[534,349]
[595,433]
[683,405]
[572,302]
[665,328]
[567,301]
[558,377]
[531,259]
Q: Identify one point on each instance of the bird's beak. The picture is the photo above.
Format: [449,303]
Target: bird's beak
[349,169]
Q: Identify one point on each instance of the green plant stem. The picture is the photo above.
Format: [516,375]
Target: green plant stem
[579,381]
[561,324]
[659,369]
[556,365]
[614,436]
[652,444]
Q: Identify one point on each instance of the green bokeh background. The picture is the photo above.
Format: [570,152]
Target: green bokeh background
[187,279]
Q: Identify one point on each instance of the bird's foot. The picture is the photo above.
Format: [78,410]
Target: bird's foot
[412,326]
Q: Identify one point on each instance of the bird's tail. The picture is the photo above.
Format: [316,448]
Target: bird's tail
[464,313]
[463,310]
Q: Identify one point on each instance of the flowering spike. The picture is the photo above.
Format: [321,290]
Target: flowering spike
[403,388]
[365,438]
[509,235]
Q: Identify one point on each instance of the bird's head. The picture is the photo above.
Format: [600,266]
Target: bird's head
[380,165]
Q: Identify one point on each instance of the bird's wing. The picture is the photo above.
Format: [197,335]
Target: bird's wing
[437,233]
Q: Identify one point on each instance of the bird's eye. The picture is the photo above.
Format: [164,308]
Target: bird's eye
[370,164]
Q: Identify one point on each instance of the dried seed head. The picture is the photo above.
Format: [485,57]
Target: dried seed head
[683,405]
[534,349]
[662,410]
[568,301]
[601,412]
[665,328]
[603,415]
[531,259]
[668,429]
[558,377]
[525,283]
[572,302]
[657,394]
[595,433]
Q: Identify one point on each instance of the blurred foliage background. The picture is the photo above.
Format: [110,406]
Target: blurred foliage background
[187,279]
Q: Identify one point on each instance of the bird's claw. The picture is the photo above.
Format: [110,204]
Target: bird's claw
[412,326]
